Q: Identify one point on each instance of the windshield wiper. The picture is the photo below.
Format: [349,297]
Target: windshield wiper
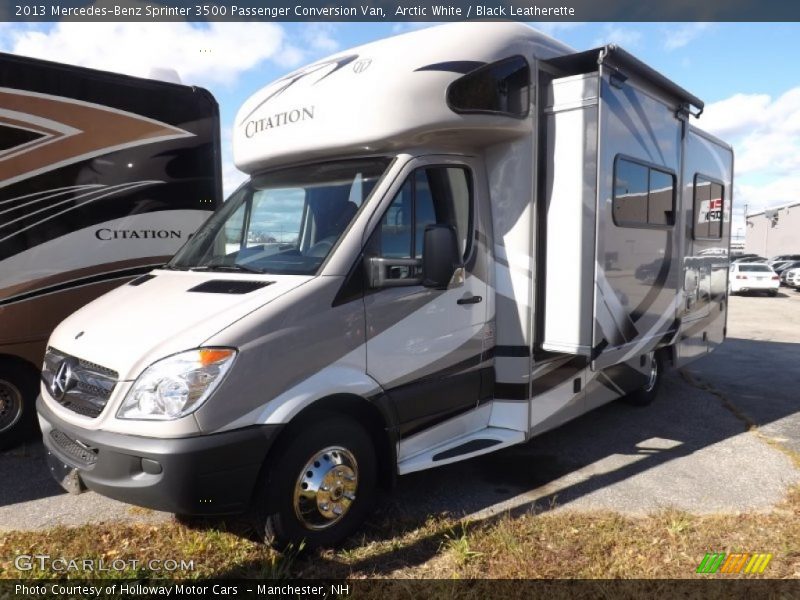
[234,268]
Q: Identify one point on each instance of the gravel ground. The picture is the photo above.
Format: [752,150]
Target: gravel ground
[693,449]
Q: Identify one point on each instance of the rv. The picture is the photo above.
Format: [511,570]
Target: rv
[102,178]
[451,241]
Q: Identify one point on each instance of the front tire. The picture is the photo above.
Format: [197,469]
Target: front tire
[319,484]
[647,393]
[19,385]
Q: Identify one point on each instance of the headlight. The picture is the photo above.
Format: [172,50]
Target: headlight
[177,385]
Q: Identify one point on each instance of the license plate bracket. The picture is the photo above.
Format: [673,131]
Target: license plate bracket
[68,477]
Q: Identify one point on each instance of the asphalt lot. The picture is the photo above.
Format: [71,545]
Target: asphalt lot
[717,439]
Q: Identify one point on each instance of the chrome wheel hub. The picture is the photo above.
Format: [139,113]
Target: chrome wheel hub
[653,378]
[10,405]
[326,488]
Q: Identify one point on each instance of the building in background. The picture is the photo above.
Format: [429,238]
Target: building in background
[774,231]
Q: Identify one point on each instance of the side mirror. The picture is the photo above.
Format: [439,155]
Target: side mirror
[441,257]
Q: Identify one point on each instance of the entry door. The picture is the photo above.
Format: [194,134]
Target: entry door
[424,346]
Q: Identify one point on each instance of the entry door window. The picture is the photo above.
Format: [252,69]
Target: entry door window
[430,196]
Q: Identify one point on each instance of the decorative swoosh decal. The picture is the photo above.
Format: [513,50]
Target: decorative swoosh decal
[68,131]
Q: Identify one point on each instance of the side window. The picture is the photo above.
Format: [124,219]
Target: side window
[643,196]
[396,231]
[708,207]
[424,209]
[431,195]
[630,193]
[502,87]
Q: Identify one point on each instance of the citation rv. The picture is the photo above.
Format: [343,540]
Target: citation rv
[451,241]
[102,178]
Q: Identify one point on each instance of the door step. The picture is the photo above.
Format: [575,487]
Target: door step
[466,446]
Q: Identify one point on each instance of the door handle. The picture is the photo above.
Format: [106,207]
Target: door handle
[470,300]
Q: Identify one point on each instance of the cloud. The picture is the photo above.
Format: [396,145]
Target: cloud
[682,35]
[765,134]
[619,35]
[407,26]
[312,41]
[778,192]
[553,28]
[231,178]
[216,53]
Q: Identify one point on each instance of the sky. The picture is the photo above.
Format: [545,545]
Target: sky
[747,74]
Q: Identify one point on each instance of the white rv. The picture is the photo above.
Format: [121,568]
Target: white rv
[451,241]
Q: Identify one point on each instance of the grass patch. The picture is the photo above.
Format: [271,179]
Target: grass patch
[667,544]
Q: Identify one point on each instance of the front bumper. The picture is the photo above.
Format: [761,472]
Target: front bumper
[213,474]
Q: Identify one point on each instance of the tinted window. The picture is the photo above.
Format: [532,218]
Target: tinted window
[708,208]
[643,195]
[433,195]
[753,268]
[630,193]
[501,87]
[659,206]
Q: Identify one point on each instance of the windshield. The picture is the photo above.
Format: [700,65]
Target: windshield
[284,221]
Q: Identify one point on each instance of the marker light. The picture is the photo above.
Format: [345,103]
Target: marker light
[177,385]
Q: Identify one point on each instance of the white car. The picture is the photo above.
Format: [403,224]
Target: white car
[793,278]
[752,277]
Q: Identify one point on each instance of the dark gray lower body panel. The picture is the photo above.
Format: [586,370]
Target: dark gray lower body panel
[211,474]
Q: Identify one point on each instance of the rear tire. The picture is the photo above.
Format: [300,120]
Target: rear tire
[773,293]
[647,393]
[19,386]
[319,484]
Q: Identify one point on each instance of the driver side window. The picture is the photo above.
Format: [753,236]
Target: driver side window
[431,195]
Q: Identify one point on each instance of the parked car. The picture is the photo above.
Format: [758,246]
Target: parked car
[752,277]
[778,265]
[785,257]
[785,266]
[747,258]
[792,278]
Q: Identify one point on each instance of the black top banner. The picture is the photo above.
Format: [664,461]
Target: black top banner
[398,10]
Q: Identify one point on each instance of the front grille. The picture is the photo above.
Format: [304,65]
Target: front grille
[90,366]
[79,452]
[79,385]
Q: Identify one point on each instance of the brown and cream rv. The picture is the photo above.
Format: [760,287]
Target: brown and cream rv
[102,177]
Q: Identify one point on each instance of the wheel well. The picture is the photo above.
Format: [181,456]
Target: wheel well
[668,355]
[17,362]
[367,414]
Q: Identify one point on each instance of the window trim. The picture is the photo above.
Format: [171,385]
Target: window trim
[497,113]
[694,208]
[648,165]
[469,250]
